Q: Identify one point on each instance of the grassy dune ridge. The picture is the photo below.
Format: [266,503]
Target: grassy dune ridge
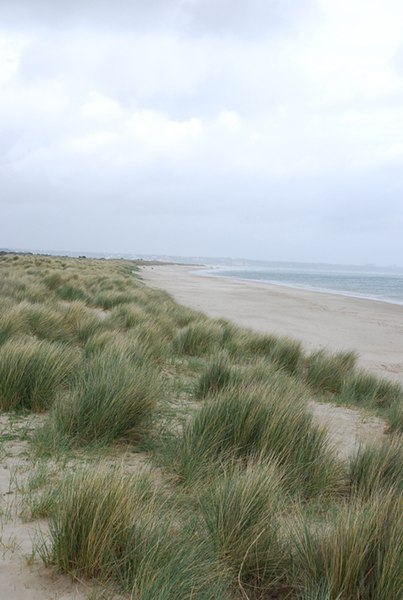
[242,496]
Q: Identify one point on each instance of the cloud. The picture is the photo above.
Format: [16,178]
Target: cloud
[200,17]
[222,118]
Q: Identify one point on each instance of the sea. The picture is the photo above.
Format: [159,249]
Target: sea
[371,283]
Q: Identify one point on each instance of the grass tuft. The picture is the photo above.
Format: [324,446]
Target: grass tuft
[356,554]
[326,372]
[395,415]
[111,399]
[217,375]
[363,388]
[378,468]
[247,422]
[284,352]
[32,372]
[199,338]
[241,511]
[120,528]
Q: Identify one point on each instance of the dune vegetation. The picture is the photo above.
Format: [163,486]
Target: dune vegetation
[175,456]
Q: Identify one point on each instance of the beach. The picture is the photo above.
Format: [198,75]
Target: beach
[374,329]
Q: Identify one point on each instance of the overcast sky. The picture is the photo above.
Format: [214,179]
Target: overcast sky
[267,129]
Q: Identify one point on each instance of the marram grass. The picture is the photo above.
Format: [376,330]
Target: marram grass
[283,352]
[32,372]
[378,468]
[241,510]
[199,338]
[362,388]
[111,399]
[217,375]
[356,554]
[123,529]
[246,422]
[327,372]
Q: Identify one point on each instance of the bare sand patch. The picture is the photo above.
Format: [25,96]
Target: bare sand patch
[348,428]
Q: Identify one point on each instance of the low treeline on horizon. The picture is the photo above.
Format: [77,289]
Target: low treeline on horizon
[174,456]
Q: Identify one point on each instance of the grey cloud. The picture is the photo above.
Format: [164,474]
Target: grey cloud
[178,76]
[45,13]
[255,17]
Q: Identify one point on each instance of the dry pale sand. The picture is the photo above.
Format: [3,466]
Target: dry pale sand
[373,329]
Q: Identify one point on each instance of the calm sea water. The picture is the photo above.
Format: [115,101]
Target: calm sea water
[374,285]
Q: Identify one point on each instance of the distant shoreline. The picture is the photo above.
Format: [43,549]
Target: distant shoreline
[215,272]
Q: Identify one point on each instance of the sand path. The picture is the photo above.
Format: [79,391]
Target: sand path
[373,329]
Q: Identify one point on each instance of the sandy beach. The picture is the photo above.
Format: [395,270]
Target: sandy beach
[320,320]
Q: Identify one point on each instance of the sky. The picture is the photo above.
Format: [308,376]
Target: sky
[263,129]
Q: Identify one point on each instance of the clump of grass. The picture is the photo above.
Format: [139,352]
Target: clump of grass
[232,339]
[110,299]
[378,468]
[395,415]
[265,373]
[41,491]
[32,372]
[257,344]
[357,554]
[71,292]
[368,390]
[127,344]
[127,316]
[180,315]
[111,399]
[153,339]
[270,422]
[120,528]
[79,323]
[241,510]
[12,287]
[53,280]
[114,282]
[218,374]
[287,354]
[45,320]
[198,338]
[284,352]
[41,320]
[11,323]
[326,372]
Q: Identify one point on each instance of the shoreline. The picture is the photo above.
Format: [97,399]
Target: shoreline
[374,329]
[206,272]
